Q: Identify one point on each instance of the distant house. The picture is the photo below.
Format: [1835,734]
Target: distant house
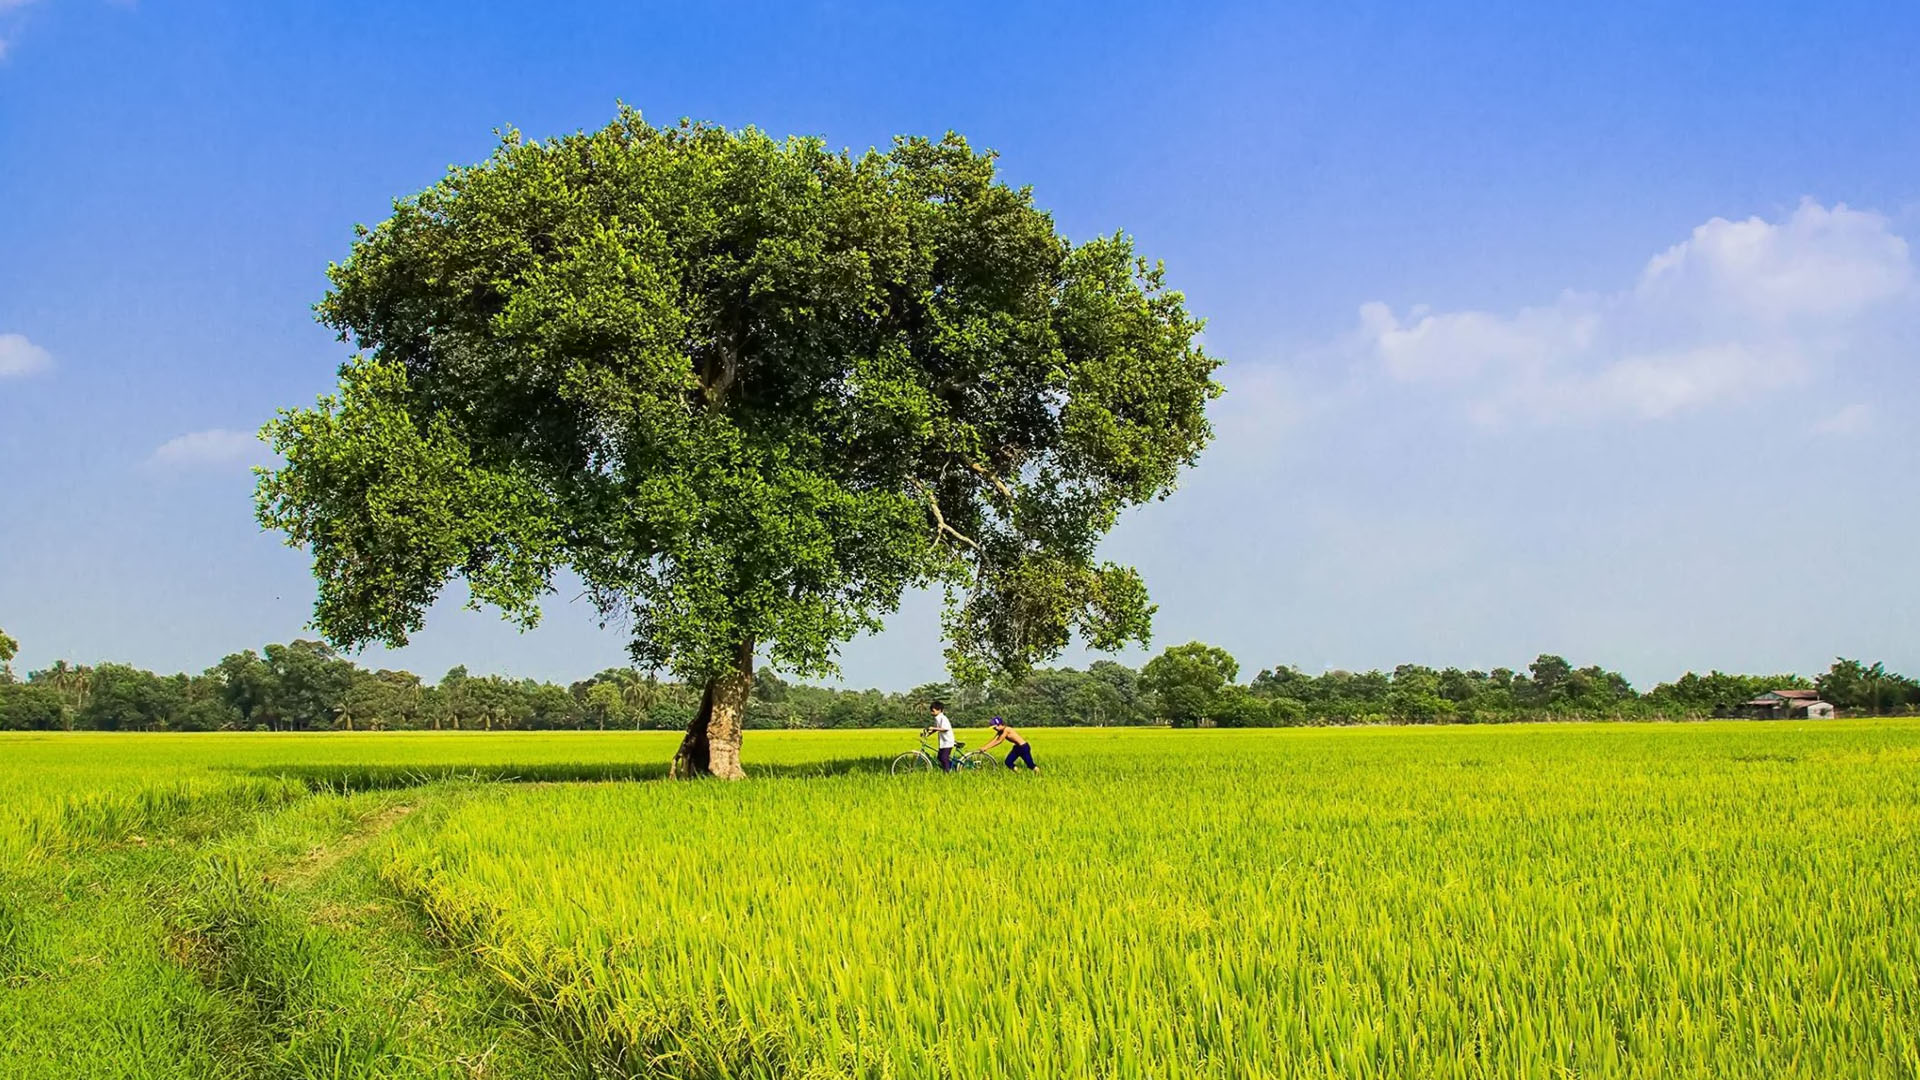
[1776,704]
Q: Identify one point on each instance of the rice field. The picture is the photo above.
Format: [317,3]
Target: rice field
[1592,900]
[59,789]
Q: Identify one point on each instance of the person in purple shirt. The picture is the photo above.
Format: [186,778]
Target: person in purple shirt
[1021,750]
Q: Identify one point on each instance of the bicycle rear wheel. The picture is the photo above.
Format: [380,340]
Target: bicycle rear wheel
[978,759]
[912,762]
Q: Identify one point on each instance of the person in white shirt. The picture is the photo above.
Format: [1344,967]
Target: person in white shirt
[942,727]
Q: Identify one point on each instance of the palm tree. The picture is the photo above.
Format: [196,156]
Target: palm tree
[74,684]
[410,695]
[640,694]
[1875,677]
[456,699]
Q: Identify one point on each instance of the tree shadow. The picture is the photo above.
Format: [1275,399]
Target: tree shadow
[851,766]
[346,779]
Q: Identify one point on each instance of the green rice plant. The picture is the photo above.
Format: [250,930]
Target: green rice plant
[18,934]
[1702,900]
[61,790]
[1536,901]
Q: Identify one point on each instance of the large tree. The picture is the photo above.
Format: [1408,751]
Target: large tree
[1187,680]
[29,707]
[749,391]
[1851,684]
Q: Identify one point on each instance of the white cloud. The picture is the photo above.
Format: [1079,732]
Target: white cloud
[14,16]
[1855,419]
[1819,263]
[1461,345]
[217,447]
[18,356]
[1736,309]
[7,9]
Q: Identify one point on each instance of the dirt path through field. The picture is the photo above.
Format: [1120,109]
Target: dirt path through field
[254,944]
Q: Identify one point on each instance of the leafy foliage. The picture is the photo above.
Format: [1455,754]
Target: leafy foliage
[25,707]
[307,686]
[1851,684]
[1188,680]
[750,391]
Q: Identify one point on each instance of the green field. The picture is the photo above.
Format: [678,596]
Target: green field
[1718,900]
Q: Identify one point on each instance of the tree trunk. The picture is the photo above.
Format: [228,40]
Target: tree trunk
[711,746]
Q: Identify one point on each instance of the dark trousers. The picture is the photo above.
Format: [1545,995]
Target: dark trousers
[946,759]
[1023,752]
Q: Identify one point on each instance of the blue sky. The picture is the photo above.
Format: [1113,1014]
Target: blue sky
[1575,328]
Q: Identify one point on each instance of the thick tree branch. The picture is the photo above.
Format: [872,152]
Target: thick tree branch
[1005,491]
[718,373]
[940,519]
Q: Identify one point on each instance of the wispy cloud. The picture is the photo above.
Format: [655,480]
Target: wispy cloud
[1855,419]
[18,356]
[1738,308]
[13,16]
[9,18]
[218,447]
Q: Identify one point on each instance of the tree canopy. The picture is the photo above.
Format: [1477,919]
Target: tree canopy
[1851,684]
[750,391]
[306,686]
[1188,680]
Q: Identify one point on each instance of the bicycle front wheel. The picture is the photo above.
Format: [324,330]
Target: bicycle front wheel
[912,762]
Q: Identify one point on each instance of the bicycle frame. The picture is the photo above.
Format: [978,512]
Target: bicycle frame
[931,751]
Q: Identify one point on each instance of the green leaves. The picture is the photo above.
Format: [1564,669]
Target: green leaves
[749,390]
[1189,679]
[391,513]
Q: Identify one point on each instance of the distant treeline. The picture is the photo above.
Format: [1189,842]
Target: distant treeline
[306,686]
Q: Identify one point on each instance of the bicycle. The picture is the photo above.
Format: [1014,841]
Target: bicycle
[927,759]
